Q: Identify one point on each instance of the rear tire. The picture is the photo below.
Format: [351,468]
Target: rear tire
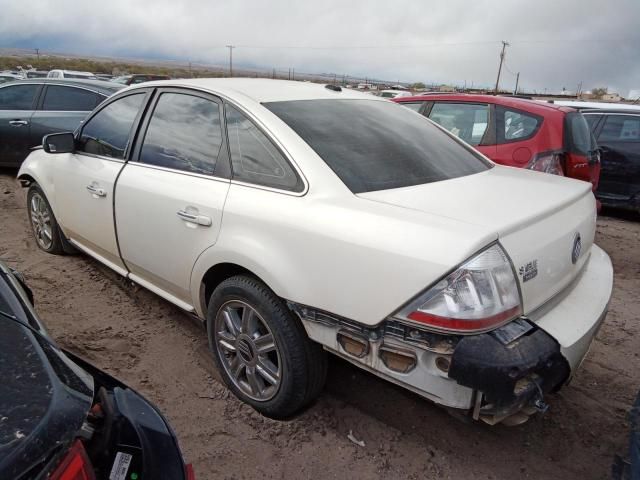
[262,350]
[43,222]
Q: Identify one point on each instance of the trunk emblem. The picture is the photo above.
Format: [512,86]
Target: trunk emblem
[577,246]
[528,271]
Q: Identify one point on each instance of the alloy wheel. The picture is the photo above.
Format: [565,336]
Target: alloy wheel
[41,221]
[248,350]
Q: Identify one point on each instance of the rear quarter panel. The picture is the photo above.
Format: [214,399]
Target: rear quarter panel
[349,256]
[549,137]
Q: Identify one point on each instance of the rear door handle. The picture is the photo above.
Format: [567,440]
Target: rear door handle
[194,218]
[18,123]
[98,192]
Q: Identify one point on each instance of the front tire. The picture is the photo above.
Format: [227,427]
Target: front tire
[261,350]
[43,223]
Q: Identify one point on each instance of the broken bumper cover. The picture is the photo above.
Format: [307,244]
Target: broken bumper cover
[494,375]
[509,374]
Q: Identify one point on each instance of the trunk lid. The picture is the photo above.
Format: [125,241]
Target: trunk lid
[537,218]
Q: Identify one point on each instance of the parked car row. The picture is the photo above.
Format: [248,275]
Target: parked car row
[30,109]
[586,141]
[313,219]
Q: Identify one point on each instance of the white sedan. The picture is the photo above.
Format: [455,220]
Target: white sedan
[295,218]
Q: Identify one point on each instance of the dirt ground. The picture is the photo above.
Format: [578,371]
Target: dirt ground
[160,351]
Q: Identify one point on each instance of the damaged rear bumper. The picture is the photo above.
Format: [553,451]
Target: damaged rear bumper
[499,376]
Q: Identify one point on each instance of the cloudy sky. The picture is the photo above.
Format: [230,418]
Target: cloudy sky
[554,43]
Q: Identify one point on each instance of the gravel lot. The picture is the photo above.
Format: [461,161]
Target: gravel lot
[155,348]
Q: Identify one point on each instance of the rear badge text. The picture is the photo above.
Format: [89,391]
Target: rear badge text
[529,271]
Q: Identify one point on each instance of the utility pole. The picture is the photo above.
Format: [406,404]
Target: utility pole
[293,74]
[515,91]
[37,53]
[504,46]
[190,72]
[230,47]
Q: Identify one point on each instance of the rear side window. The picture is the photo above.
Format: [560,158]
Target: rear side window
[184,133]
[254,158]
[620,128]
[518,125]
[578,136]
[467,121]
[412,106]
[377,145]
[107,133]
[71,99]
[17,97]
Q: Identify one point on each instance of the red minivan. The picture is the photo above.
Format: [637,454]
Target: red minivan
[517,132]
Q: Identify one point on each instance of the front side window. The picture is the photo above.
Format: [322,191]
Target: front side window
[467,121]
[184,133]
[518,125]
[620,128]
[254,158]
[377,145]
[59,98]
[107,133]
[17,97]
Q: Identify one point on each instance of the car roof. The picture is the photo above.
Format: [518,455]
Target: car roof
[599,105]
[533,106]
[262,90]
[611,111]
[100,86]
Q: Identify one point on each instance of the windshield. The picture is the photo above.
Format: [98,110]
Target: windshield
[375,145]
[388,94]
[579,138]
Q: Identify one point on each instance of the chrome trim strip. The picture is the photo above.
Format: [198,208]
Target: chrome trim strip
[178,172]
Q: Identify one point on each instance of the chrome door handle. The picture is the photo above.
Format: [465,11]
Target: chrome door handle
[99,192]
[18,123]
[193,218]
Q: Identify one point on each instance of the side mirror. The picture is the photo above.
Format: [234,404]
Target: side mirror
[59,143]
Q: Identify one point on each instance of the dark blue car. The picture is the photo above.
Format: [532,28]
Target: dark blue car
[32,108]
[617,133]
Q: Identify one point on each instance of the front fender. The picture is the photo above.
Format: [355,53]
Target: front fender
[38,168]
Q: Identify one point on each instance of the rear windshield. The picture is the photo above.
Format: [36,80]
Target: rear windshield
[373,145]
[578,136]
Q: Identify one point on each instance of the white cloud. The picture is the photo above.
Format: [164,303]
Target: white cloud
[554,44]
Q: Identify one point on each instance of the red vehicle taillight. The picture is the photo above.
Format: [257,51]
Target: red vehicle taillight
[188,470]
[75,465]
[584,167]
[547,162]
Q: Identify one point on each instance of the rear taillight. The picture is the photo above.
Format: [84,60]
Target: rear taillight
[75,465]
[548,162]
[188,470]
[583,167]
[480,295]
